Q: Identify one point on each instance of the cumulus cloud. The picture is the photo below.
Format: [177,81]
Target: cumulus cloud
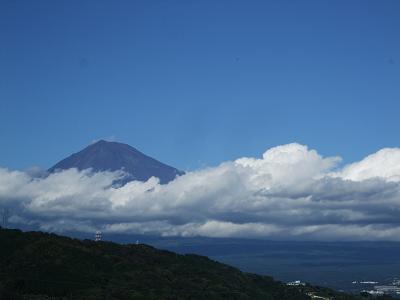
[291,192]
[383,164]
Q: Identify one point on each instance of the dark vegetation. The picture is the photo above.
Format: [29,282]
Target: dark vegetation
[36,265]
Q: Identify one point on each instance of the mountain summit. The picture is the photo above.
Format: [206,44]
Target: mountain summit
[113,156]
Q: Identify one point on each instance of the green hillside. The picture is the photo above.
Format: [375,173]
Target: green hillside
[36,265]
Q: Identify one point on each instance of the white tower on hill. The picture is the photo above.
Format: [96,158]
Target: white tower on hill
[98,236]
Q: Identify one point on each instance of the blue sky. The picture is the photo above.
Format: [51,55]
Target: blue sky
[194,83]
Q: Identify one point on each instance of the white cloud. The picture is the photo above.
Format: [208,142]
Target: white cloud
[286,165]
[289,193]
[383,164]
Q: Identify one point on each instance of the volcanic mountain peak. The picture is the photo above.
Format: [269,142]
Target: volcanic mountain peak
[113,156]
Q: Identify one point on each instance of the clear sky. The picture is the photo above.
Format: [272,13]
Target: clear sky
[194,83]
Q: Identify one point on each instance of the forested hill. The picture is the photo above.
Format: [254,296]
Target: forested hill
[36,265]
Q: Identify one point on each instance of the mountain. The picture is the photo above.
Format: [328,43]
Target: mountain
[113,156]
[36,265]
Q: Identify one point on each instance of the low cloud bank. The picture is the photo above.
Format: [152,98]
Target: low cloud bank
[292,192]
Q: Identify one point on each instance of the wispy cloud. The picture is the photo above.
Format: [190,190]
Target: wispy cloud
[292,192]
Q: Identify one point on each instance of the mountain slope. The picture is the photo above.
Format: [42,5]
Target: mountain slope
[37,265]
[113,156]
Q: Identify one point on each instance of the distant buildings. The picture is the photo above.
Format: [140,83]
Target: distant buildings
[384,289]
[296,283]
[374,292]
[387,288]
[313,296]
